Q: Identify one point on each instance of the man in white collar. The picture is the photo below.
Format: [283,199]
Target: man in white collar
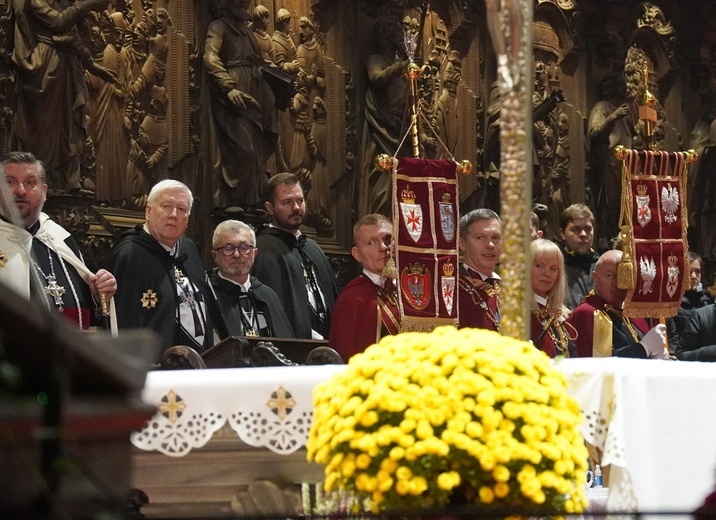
[250,308]
[478,283]
[46,247]
[366,310]
[162,282]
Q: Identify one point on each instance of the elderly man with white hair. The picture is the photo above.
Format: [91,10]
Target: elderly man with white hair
[162,282]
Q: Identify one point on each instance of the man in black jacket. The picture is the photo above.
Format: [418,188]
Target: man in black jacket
[292,264]
[698,339]
[162,282]
[250,308]
[577,232]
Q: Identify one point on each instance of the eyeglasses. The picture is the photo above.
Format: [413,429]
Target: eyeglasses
[229,249]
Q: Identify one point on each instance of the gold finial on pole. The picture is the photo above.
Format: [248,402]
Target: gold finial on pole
[647,109]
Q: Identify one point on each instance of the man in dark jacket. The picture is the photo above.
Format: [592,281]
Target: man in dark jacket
[250,308]
[162,284]
[292,264]
[698,339]
[577,231]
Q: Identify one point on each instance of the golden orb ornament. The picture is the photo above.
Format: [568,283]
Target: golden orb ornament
[412,71]
[384,162]
[464,167]
[620,152]
[691,156]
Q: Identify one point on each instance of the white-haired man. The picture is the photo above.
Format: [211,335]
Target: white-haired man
[162,282]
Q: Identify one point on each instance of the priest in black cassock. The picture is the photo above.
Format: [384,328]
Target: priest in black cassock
[292,264]
[162,282]
[249,307]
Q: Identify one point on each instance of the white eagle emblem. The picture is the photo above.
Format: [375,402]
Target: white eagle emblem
[669,203]
[648,273]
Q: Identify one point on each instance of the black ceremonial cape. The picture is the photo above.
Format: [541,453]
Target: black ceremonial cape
[278,265]
[146,287]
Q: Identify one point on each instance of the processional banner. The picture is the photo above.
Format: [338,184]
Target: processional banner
[654,225]
[425,227]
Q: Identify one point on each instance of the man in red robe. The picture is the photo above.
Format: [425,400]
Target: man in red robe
[603,329]
[366,310]
[478,284]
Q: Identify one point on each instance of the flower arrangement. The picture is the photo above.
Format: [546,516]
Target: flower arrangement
[418,420]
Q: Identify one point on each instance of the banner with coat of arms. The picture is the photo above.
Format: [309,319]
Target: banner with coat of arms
[654,226]
[425,231]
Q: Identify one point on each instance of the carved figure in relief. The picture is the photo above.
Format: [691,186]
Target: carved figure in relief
[284,48]
[448,113]
[242,106]
[147,159]
[154,69]
[50,62]
[386,112]
[285,59]
[260,26]
[319,196]
[309,55]
[613,121]
[107,122]
[550,128]
[131,60]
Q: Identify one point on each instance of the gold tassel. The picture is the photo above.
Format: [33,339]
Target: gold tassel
[625,273]
[625,270]
[390,271]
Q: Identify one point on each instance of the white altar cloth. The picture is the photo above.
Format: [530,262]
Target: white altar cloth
[655,421]
[268,407]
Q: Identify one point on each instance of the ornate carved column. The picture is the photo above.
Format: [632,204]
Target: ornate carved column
[510,26]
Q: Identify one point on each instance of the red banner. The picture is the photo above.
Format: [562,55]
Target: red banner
[654,223]
[425,228]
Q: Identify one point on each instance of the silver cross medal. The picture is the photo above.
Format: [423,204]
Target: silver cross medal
[55,290]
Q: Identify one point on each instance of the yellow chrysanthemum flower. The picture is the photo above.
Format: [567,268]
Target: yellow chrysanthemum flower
[417,417]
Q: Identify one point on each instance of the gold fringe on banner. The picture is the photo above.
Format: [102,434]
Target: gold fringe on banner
[625,270]
[412,326]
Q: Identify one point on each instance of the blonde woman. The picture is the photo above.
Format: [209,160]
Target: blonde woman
[549,332]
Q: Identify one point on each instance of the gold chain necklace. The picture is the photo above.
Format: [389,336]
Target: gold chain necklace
[470,285]
[549,319]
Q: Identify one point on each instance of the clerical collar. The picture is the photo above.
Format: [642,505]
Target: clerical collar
[375,278]
[246,285]
[172,250]
[483,277]
[540,300]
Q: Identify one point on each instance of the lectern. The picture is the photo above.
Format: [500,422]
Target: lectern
[68,403]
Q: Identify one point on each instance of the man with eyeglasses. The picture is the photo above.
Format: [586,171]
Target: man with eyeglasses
[367,309]
[292,264]
[250,308]
[162,282]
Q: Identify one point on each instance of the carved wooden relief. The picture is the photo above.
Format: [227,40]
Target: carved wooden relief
[143,97]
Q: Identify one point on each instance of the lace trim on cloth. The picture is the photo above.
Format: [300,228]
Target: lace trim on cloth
[603,430]
[266,407]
